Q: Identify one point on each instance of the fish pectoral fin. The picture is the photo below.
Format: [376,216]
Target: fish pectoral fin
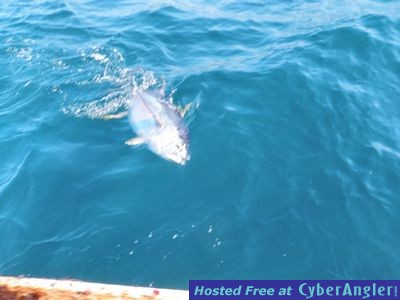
[185,109]
[115,116]
[136,141]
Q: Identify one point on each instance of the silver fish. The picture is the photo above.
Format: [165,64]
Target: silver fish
[159,124]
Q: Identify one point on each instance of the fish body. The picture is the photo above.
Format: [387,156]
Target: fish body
[159,124]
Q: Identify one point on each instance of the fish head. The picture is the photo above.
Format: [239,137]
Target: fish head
[178,152]
[172,145]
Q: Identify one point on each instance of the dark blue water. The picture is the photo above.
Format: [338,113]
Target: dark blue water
[295,141]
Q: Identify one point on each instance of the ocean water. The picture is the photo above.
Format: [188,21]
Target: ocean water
[295,140]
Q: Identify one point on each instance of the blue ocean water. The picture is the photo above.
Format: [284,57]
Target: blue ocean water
[295,141]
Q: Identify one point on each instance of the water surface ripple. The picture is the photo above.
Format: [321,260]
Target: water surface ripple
[295,143]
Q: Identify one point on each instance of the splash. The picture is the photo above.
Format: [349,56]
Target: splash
[103,70]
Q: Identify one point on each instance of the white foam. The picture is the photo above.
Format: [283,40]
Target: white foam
[99,57]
